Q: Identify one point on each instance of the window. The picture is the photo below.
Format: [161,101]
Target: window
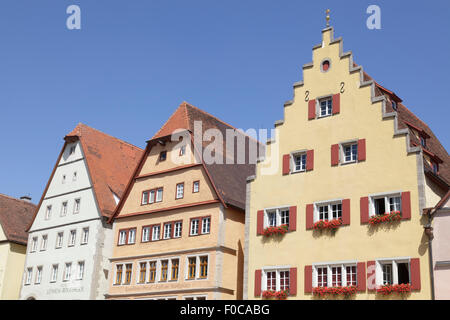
[127,236]
[350,152]
[67,271]
[391,272]
[80,273]
[276,217]
[276,279]
[63,208]
[386,204]
[145,197]
[162,155]
[203,267]
[48,212]
[119,271]
[148,197]
[131,236]
[74,177]
[435,167]
[206,225]
[34,243]
[194,227]
[196,186]
[76,208]
[128,272]
[142,272]
[159,194]
[164,270]
[44,242]
[155,232]
[175,266]
[167,230]
[423,142]
[29,275]
[85,236]
[192,267]
[299,162]
[177,229]
[72,150]
[152,196]
[180,191]
[145,234]
[152,274]
[394,105]
[335,275]
[59,239]
[326,106]
[54,273]
[38,275]
[122,237]
[63,181]
[328,211]
[72,236]
[182,150]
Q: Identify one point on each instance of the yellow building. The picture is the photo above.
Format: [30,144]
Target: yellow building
[15,215]
[179,228]
[347,152]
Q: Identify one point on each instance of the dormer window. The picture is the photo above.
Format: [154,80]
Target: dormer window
[435,167]
[394,105]
[163,156]
[423,142]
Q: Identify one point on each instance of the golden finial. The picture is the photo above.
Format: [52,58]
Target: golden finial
[328,17]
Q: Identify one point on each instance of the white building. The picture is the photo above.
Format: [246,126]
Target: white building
[69,240]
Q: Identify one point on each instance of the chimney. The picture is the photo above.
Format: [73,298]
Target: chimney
[26,198]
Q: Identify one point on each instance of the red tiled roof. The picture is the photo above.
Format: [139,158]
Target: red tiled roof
[110,162]
[15,215]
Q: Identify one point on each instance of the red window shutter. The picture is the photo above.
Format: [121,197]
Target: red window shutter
[371,280]
[361,276]
[415,273]
[406,205]
[364,209]
[334,154]
[309,216]
[311,109]
[336,103]
[346,211]
[308,279]
[260,222]
[362,150]
[293,281]
[292,218]
[257,283]
[309,160]
[286,164]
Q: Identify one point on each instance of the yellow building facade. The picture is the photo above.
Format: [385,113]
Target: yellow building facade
[342,154]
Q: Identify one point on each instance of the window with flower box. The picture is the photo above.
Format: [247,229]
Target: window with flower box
[386,204]
[276,279]
[385,207]
[335,275]
[277,217]
[391,272]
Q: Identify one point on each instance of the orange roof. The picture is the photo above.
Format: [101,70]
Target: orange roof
[110,163]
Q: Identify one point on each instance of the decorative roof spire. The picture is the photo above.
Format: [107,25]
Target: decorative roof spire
[328,17]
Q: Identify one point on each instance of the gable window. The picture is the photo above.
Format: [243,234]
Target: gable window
[194,227]
[196,186]
[67,271]
[423,142]
[335,275]
[29,276]
[48,212]
[180,191]
[63,208]
[145,234]
[76,208]
[159,194]
[435,167]
[299,162]
[145,197]
[182,150]
[80,270]
[72,236]
[275,279]
[350,152]
[386,204]
[85,236]
[38,275]
[174,273]
[34,243]
[177,229]
[167,230]
[391,272]
[54,273]
[131,236]
[59,239]
[326,107]
[328,211]
[276,217]
[162,155]
[44,242]
[72,150]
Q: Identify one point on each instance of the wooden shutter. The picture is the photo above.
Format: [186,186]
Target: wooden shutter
[361,276]
[311,109]
[362,150]
[406,205]
[260,222]
[364,209]
[371,280]
[308,279]
[292,218]
[293,281]
[346,211]
[309,160]
[286,164]
[309,216]
[334,154]
[336,103]
[257,283]
[415,273]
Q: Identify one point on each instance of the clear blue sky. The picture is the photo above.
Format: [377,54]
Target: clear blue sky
[133,62]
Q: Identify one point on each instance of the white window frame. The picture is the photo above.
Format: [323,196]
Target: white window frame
[156,235]
[76,206]
[328,203]
[175,229]
[386,196]
[44,241]
[29,276]
[196,186]
[34,244]
[131,236]
[145,194]
[206,225]
[38,278]
[67,271]
[80,270]
[167,230]
[64,206]
[277,270]
[329,108]
[123,234]
[48,212]
[54,273]
[394,263]
[72,238]
[350,144]
[197,229]
[59,239]
[74,176]
[294,156]
[277,211]
[179,191]
[159,195]
[145,234]
[85,236]
[329,265]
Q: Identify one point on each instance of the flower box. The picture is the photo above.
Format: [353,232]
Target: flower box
[385,218]
[328,225]
[389,289]
[270,231]
[279,295]
[336,291]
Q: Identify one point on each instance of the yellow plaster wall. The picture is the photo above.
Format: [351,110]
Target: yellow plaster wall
[388,168]
[12,257]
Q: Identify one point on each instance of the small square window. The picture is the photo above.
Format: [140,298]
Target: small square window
[350,152]
[299,162]
[326,107]
[162,155]
[196,187]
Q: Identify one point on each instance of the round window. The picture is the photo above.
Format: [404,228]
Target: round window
[325,65]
